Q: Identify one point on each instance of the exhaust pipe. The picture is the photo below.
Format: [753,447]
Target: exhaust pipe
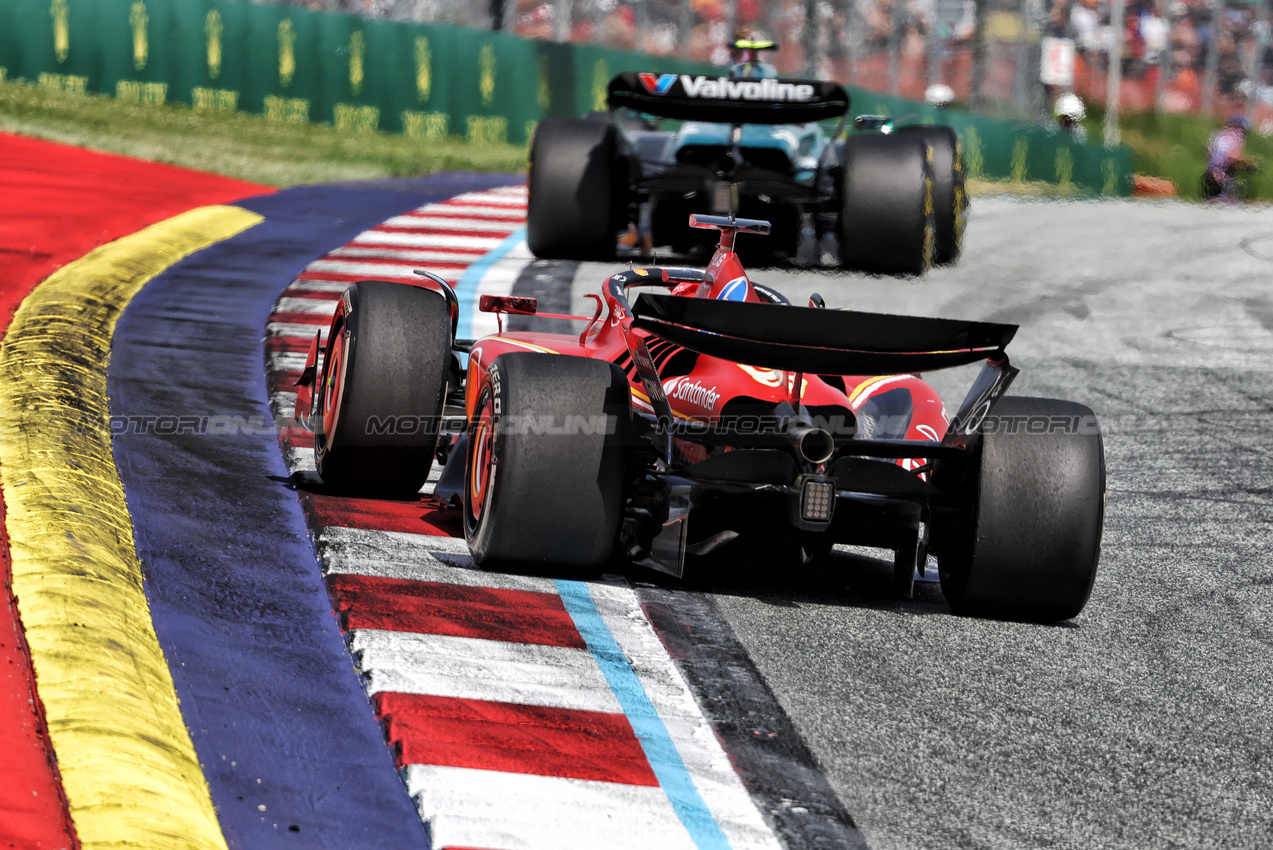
[815,445]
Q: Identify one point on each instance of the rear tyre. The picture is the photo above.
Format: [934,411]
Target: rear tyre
[950,201]
[887,223]
[382,389]
[574,193]
[544,480]
[1032,535]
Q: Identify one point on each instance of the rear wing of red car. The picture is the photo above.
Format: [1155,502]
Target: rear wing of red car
[701,97]
[817,341]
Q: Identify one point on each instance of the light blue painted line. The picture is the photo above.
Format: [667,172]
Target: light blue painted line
[466,289]
[660,752]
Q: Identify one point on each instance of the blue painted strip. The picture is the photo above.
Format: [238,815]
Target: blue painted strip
[466,289]
[289,745]
[666,762]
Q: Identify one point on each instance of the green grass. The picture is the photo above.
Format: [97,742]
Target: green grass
[238,145]
[282,154]
[1173,147]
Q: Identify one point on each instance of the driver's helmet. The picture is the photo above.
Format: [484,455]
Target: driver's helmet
[753,71]
[939,95]
[1069,105]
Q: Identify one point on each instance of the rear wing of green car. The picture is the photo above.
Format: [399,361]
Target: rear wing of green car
[700,97]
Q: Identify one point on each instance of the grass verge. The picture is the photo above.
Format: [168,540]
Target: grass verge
[1174,147]
[275,153]
[238,145]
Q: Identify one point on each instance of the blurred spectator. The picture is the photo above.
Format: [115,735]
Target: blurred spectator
[1163,59]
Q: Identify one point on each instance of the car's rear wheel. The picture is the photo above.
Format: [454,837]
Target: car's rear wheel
[575,200]
[950,200]
[887,223]
[543,487]
[380,399]
[1030,540]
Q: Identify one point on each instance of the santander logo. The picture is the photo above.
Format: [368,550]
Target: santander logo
[683,389]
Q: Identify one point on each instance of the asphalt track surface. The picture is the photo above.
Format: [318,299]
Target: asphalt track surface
[1143,723]
[1147,721]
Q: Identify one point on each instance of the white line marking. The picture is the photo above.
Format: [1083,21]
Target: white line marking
[443,223]
[291,330]
[693,736]
[426,240]
[418,557]
[335,287]
[513,811]
[472,668]
[371,270]
[285,361]
[513,195]
[503,211]
[317,306]
[412,254]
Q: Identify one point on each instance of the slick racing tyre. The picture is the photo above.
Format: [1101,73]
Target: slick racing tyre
[543,487]
[950,201]
[887,223]
[384,379]
[575,198]
[1029,541]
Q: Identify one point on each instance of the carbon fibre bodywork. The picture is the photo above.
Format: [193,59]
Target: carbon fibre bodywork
[742,407]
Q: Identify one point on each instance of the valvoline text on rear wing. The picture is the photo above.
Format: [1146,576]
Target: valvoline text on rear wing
[700,97]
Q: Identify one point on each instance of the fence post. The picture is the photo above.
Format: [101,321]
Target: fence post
[1260,37]
[1211,76]
[809,38]
[1164,62]
[1036,94]
[897,12]
[850,39]
[932,46]
[1114,79]
[976,97]
[684,17]
[561,19]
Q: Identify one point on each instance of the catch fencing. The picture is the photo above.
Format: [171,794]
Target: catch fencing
[439,80]
[294,64]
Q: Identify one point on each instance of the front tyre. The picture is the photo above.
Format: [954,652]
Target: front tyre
[1031,536]
[544,481]
[383,385]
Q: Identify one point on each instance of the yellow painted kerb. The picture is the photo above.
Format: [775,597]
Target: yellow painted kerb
[131,775]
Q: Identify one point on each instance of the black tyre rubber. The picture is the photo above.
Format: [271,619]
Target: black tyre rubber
[887,223]
[549,495]
[574,193]
[950,199]
[386,368]
[1032,537]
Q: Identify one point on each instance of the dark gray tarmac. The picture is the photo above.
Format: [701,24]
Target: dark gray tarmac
[1146,722]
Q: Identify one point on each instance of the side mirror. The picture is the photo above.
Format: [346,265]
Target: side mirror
[874,122]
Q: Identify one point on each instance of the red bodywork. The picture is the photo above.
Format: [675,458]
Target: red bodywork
[701,393]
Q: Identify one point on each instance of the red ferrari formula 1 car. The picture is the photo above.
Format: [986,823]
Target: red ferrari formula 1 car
[705,416]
